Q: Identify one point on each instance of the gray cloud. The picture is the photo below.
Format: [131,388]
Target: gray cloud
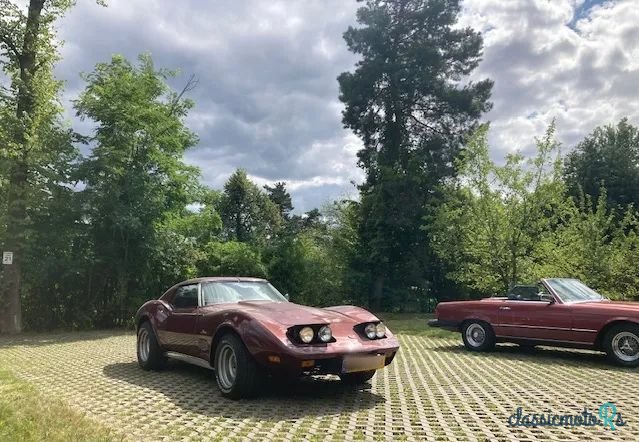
[267,94]
[267,97]
[569,60]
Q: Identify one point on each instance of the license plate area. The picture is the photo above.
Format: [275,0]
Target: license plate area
[355,363]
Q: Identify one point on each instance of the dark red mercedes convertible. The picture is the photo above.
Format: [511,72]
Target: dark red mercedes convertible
[556,312]
[245,330]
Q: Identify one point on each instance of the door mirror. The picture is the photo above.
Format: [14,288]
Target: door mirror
[545,297]
[288,298]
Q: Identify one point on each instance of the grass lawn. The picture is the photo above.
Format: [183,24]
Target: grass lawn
[415,324]
[26,415]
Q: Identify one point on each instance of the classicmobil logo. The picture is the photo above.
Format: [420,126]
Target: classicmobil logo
[607,416]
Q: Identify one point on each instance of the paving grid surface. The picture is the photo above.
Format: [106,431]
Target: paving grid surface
[434,390]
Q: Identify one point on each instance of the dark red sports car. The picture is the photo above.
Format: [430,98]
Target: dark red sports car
[560,312]
[245,330]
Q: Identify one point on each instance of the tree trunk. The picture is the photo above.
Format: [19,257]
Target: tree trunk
[12,320]
[239,235]
[18,179]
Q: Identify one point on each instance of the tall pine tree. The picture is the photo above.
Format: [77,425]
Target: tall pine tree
[411,104]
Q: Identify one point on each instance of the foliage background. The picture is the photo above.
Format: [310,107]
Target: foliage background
[436,218]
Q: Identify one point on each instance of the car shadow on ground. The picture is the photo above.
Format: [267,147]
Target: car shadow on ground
[538,354]
[194,389]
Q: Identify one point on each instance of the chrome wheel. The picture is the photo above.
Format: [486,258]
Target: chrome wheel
[226,367]
[144,344]
[475,335]
[625,346]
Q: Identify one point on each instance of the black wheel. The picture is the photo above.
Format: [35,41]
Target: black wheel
[478,336]
[621,343]
[150,354]
[358,378]
[236,371]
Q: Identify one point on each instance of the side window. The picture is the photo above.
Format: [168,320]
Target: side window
[524,293]
[543,290]
[185,297]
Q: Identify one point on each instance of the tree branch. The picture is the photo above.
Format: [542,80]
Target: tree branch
[11,46]
[425,125]
[6,95]
[191,84]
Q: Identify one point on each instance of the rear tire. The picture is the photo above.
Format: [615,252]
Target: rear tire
[237,373]
[621,344]
[357,378]
[478,336]
[150,354]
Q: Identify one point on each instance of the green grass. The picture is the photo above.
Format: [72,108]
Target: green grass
[415,324]
[27,416]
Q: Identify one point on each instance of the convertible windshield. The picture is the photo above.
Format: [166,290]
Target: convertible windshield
[573,290]
[228,291]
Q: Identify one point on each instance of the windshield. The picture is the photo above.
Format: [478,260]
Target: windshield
[573,290]
[230,291]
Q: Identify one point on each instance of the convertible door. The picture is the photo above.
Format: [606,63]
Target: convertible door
[535,320]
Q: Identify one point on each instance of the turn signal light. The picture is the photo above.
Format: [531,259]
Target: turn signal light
[308,364]
[274,359]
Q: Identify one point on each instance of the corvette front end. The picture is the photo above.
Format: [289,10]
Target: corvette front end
[349,350]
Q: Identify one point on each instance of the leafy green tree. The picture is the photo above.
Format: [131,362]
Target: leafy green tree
[343,219]
[592,244]
[281,198]
[57,262]
[608,157]
[407,103]
[494,217]
[135,176]
[180,240]
[201,223]
[312,265]
[311,219]
[303,267]
[30,129]
[172,257]
[247,212]
[296,224]
[231,259]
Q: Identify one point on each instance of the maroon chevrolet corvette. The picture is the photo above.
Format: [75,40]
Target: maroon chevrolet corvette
[558,312]
[245,330]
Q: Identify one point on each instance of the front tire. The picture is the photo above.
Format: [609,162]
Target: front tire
[478,336]
[622,345]
[236,371]
[358,378]
[150,354]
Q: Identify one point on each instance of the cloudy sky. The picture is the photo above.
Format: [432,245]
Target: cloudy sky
[267,95]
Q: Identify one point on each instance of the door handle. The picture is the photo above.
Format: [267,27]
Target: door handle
[504,308]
